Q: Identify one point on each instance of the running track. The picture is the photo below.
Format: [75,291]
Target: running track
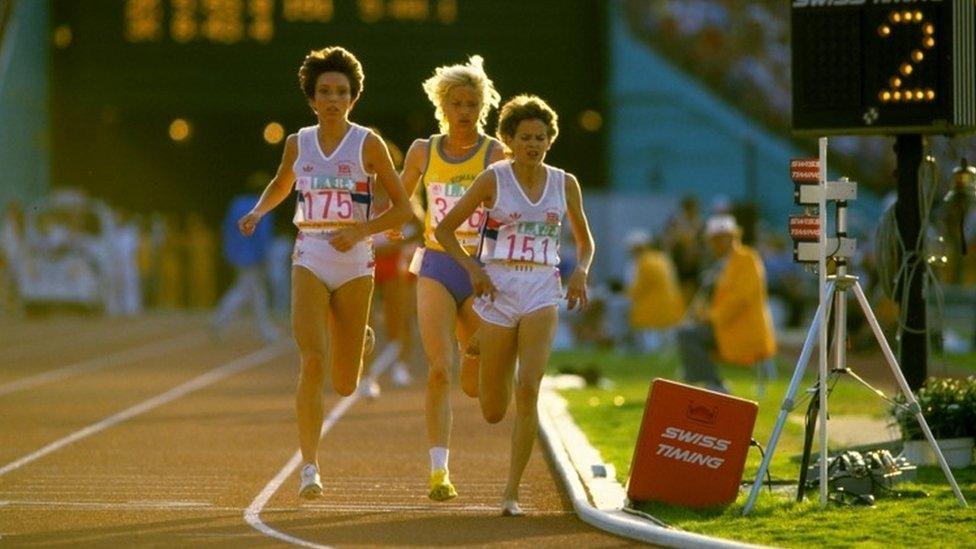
[146,431]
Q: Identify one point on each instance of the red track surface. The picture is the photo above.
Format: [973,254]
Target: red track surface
[181,469]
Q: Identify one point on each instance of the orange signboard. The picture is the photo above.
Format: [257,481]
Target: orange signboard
[692,446]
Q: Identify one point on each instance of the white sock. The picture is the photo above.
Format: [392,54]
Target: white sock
[438,458]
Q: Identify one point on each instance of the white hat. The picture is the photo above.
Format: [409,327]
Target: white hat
[637,237]
[721,224]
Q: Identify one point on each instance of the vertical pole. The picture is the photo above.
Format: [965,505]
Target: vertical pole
[787,406]
[840,320]
[822,350]
[913,352]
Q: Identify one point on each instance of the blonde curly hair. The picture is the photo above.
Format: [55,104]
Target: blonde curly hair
[470,74]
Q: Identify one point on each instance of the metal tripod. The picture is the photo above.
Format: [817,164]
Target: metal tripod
[837,288]
[833,291]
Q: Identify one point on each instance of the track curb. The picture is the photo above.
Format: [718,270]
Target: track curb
[597,497]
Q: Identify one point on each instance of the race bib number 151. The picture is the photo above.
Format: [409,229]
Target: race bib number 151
[532,242]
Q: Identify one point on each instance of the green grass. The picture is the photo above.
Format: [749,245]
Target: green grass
[611,419]
[958,363]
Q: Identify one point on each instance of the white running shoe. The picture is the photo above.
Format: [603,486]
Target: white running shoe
[511,508]
[401,376]
[369,389]
[369,342]
[311,484]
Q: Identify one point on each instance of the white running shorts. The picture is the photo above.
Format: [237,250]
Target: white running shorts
[522,289]
[315,253]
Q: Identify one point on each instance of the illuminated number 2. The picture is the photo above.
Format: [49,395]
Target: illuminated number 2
[896,92]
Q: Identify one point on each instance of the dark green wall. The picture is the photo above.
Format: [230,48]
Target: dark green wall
[113,99]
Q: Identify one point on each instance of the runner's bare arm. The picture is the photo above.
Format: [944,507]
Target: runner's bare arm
[277,190]
[497,151]
[576,287]
[378,161]
[414,165]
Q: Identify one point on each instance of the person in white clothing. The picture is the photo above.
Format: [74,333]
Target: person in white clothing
[332,166]
[127,248]
[519,286]
[12,258]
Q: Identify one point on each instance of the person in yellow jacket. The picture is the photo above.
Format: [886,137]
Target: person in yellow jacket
[656,301]
[730,314]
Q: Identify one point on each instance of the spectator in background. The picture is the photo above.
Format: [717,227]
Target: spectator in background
[127,239]
[201,269]
[655,295]
[247,255]
[785,277]
[279,271]
[729,313]
[615,329]
[391,284]
[683,242]
[151,238]
[169,263]
[11,257]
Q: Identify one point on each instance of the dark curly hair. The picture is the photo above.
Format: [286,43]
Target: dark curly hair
[330,59]
[526,107]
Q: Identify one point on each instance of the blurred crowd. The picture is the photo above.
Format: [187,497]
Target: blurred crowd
[73,251]
[660,287]
[643,306]
[741,51]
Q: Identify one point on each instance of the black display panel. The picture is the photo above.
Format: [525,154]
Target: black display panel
[873,67]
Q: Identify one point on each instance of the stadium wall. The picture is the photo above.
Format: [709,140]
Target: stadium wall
[25,128]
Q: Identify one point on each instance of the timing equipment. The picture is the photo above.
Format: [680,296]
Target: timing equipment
[833,291]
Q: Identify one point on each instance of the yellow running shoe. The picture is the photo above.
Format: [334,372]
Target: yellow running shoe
[441,488]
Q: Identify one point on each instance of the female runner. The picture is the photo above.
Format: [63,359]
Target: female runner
[332,166]
[446,164]
[519,285]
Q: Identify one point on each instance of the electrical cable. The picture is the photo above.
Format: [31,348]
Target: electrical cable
[894,261]
[762,454]
[897,265]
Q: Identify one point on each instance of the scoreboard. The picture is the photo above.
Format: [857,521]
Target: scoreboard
[125,73]
[883,66]
[233,21]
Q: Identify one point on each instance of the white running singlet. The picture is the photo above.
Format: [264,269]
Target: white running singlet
[334,191]
[518,230]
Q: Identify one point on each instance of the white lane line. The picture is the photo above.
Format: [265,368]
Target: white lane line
[105,361]
[417,508]
[253,513]
[40,505]
[144,504]
[238,365]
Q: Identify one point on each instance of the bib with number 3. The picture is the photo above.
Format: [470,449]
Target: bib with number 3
[442,197]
